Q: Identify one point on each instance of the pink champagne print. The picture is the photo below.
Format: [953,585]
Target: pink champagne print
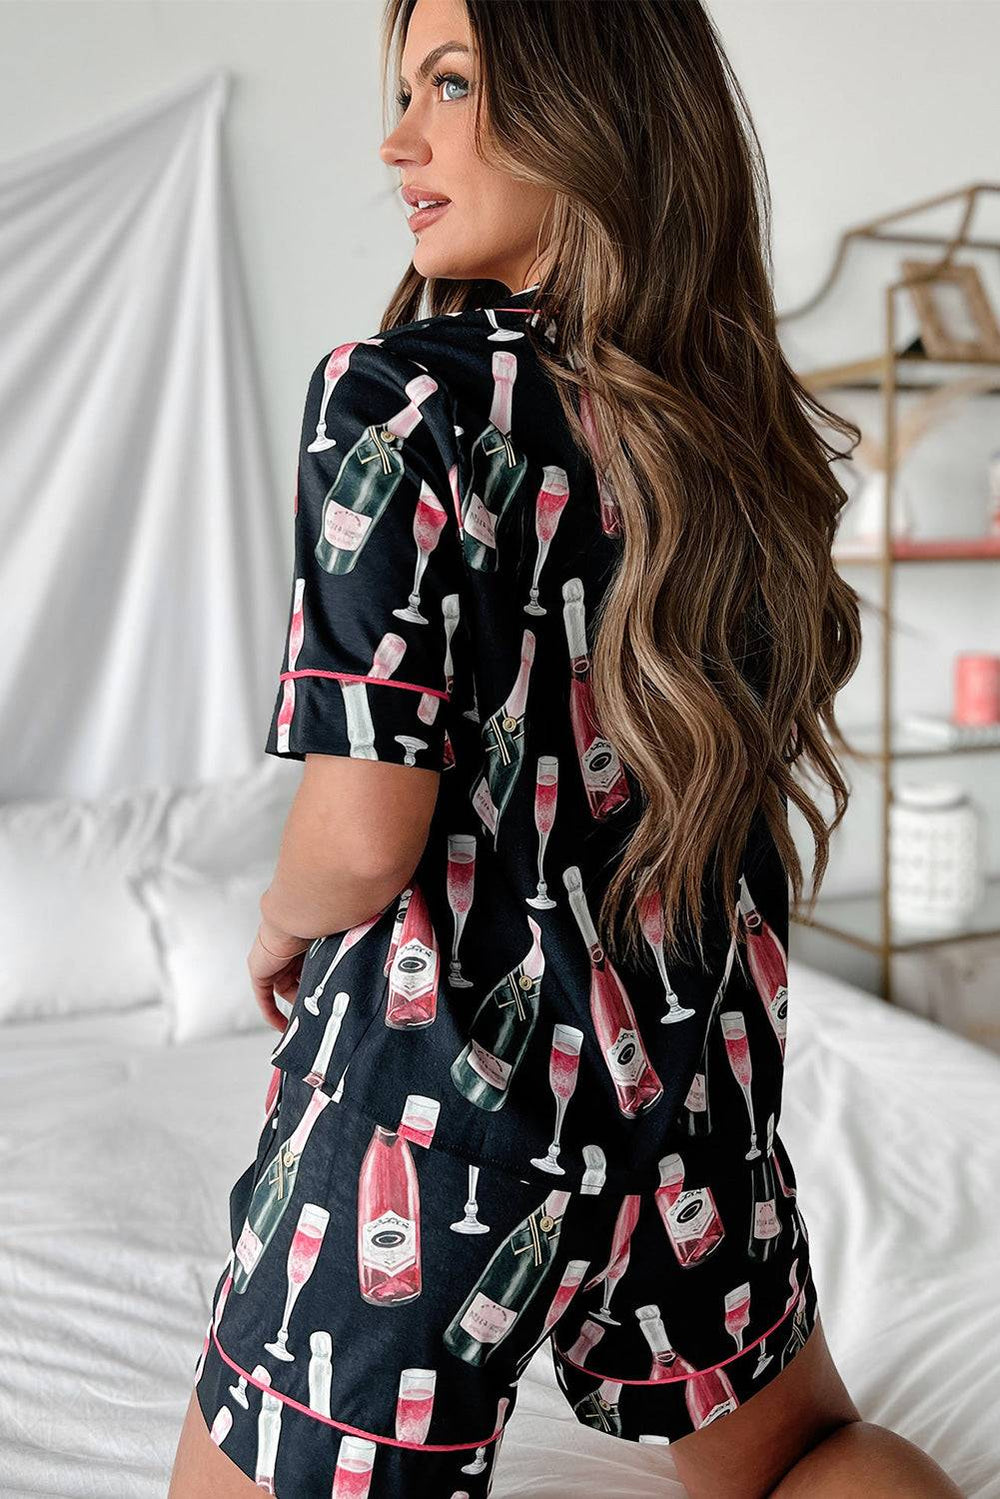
[564,1064]
[651,922]
[428,521]
[603,777]
[347,941]
[689,1215]
[461,880]
[352,1477]
[414,1404]
[546,795]
[419,1119]
[566,1290]
[736,1317]
[613,1271]
[388,1221]
[416,964]
[296,635]
[304,1248]
[636,1084]
[336,366]
[768,964]
[268,1436]
[549,506]
[734,1030]
[611,521]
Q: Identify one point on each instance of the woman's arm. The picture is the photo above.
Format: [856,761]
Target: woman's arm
[336,870]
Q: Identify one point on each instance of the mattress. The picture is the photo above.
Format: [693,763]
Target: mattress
[119,1153]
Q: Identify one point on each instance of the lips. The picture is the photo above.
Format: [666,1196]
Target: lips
[415,195]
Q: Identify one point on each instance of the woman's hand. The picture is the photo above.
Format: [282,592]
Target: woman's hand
[275,965]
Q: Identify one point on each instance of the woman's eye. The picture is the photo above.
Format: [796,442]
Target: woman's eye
[403,99]
[440,78]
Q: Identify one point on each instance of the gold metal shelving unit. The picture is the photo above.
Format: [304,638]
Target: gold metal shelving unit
[864,920]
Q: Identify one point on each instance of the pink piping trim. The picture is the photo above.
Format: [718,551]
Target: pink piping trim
[355,1431]
[677,1378]
[352,676]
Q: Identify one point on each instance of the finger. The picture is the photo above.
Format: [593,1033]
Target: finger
[264,995]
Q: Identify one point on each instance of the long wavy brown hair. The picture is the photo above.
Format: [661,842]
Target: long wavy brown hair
[727,632]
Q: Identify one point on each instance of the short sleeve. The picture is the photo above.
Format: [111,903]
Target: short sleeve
[378,563]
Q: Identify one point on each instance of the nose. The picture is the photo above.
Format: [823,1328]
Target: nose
[404,147]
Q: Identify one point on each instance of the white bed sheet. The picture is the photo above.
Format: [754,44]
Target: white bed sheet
[119,1154]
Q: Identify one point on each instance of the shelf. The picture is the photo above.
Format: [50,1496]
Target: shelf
[931,549]
[906,744]
[913,371]
[858,920]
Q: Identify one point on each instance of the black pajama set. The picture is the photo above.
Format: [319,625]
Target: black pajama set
[480,1134]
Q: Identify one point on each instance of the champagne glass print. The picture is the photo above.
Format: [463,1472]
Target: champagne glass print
[546,794]
[428,521]
[470,1224]
[549,507]
[302,1252]
[651,922]
[461,879]
[737,1313]
[564,1064]
[414,1404]
[336,366]
[734,1029]
[500,335]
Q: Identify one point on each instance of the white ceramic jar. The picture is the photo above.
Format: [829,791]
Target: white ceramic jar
[936,856]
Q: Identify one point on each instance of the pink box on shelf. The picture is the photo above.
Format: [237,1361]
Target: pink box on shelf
[977,688]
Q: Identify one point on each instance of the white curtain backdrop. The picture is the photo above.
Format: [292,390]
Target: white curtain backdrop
[142,575]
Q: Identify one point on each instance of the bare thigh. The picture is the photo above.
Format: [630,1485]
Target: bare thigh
[202,1470]
[744,1454]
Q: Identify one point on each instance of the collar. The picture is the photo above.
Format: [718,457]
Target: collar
[501,298]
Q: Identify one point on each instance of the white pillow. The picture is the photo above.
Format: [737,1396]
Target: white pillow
[225,826]
[73,937]
[204,926]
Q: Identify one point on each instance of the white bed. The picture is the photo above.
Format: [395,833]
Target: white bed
[119,1152]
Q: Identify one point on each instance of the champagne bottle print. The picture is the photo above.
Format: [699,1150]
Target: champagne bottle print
[272,1194]
[636,1084]
[765,1225]
[497,471]
[503,744]
[696,1111]
[296,634]
[604,779]
[389,1269]
[689,1214]
[599,1409]
[514,1274]
[768,964]
[415,967]
[366,481]
[500,1031]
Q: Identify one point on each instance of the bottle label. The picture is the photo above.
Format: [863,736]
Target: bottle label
[389,1242]
[343,527]
[690,1214]
[696,1100]
[600,765]
[491,1069]
[248,1248]
[484,804]
[765,1220]
[626,1060]
[480,523]
[412,969]
[486,1320]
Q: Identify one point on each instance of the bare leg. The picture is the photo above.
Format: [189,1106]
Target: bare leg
[802,1437]
[201,1469]
[862,1455]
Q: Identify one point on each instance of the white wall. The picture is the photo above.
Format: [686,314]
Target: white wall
[860,105]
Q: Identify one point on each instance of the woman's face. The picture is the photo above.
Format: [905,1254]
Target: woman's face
[490,224]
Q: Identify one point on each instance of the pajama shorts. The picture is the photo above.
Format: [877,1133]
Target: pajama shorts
[383,1296]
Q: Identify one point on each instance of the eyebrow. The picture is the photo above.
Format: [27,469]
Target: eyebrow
[427,66]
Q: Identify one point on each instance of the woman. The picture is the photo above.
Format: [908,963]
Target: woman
[563,617]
